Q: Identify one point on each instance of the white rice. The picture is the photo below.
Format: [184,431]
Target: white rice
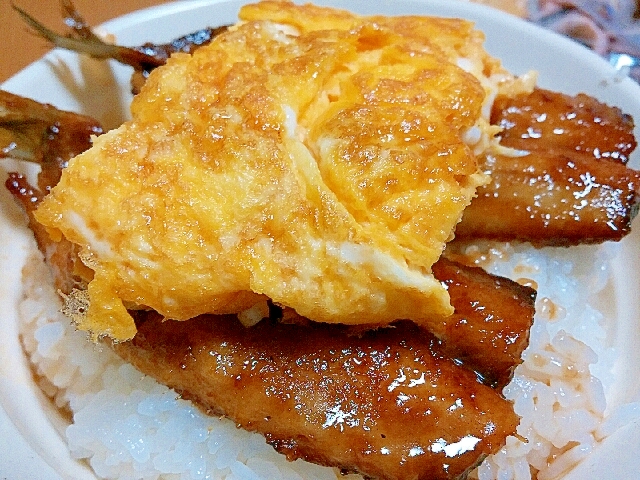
[126,425]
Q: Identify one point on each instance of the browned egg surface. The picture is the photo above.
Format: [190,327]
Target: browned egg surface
[306,155]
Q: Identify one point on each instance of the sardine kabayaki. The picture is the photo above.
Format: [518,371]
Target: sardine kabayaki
[349,112]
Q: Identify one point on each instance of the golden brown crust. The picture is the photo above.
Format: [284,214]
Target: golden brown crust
[553,200]
[323,168]
[568,184]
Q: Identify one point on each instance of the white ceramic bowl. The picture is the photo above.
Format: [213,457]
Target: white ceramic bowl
[31,438]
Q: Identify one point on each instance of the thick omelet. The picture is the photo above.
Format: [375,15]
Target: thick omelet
[307,155]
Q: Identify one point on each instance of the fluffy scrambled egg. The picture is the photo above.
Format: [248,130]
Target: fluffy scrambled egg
[308,156]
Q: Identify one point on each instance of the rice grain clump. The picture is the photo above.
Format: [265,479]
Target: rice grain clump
[126,425]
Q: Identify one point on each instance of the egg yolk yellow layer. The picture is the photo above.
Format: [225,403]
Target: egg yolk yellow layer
[307,155]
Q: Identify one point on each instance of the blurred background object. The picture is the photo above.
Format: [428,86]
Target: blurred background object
[610,27]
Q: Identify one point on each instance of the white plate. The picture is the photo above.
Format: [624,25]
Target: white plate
[31,445]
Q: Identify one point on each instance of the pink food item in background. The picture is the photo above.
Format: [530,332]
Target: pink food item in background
[610,27]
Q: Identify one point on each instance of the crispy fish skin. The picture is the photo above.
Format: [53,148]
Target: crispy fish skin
[490,327]
[388,404]
[550,199]
[564,125]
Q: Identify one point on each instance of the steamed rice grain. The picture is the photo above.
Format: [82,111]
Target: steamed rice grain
[126,425]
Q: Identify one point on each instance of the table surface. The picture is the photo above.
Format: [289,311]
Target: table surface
[20,46]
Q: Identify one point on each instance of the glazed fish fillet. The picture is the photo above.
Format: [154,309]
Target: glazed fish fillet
[308,156]
[388,404]
[574,126]
[569,184]
[489,328]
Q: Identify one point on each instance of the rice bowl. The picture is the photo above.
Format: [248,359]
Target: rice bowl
[519,262]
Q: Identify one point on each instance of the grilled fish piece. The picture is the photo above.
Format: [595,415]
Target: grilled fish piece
[490,327]
[565,126]
[49,137]
[550,199]
[569,186]
[388,404]
[143,58]
[61,256]
[42,134]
